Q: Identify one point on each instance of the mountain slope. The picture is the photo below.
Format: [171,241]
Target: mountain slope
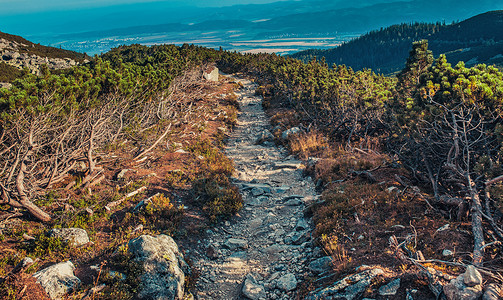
[476,40]
[17,53]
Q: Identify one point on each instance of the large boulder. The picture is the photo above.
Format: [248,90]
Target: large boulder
[74,236]
[58,280]
[164,268]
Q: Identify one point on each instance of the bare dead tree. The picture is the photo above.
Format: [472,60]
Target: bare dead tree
[39,148]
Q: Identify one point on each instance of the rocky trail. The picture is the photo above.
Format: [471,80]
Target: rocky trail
[263,252]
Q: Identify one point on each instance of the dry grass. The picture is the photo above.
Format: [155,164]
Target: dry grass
[312,143]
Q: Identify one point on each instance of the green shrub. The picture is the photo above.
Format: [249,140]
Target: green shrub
[217,196]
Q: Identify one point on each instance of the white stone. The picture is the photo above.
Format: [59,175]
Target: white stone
[163,267]
[212,75]
[472,277]
[74,236]
[58,280]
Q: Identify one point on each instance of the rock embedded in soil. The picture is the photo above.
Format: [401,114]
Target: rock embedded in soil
[287,282]
[321,265]
[293,202]
[301,225]
[287,133]
[390,289]
[234,244]
[252,290]
[58,280]
[264,136]
[164,268]
[257,191]
[457,289]
[74,236]
[472,277]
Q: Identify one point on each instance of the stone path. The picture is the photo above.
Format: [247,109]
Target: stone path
[263,252]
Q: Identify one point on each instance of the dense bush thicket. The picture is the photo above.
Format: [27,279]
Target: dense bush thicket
[50,123]
[442,122]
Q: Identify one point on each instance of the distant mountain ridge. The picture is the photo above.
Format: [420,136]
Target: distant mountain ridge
[478,39]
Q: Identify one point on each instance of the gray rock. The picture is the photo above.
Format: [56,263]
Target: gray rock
[289,132]
[457,290]
[264,136]
[58,280]
[213,252]
[287,282]
[297,237]
[301,225]
[257,191]
[254,202]
[253,290]
[472,277]
[293,202]
[492,292]
[287,165]
[233,244]
[5,85]
[321,265]
[164,268]
[250,186]
[390,289]
[282,189]
[74,236]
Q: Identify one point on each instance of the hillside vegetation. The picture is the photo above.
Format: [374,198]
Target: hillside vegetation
[421,149]
[40,50]
[394,158]
[476,40]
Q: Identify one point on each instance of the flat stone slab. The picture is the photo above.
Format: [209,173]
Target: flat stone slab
[233,244]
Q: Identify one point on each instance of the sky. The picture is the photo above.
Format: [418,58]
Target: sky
[12,7]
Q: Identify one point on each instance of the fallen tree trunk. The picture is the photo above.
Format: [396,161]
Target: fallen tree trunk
[25,201]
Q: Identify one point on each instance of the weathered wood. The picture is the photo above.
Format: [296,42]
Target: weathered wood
[25,202]
[115,203]
[494,180]
[155,143]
